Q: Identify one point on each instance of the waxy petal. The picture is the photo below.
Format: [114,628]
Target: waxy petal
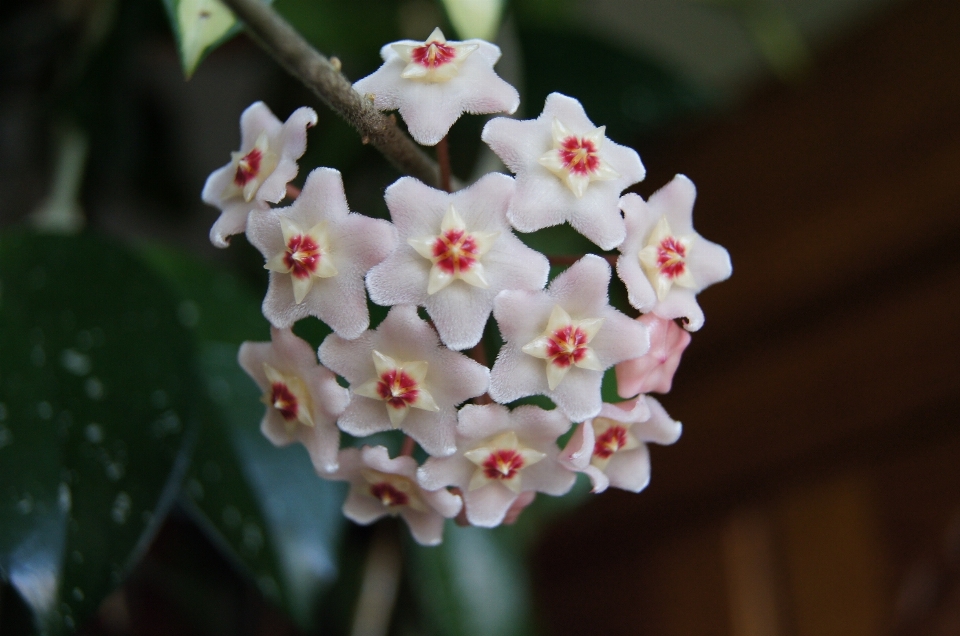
[543,199]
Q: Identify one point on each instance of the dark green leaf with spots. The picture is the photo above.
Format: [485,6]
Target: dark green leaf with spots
[97,392]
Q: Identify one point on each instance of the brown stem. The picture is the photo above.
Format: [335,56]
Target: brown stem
[288,47]
[479,353]
[443,158]
[408,445]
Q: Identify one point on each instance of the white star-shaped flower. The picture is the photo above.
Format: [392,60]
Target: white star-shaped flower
[563,355]
[433,82]
[611,448]
[402,377]
[501,455]
[567,170]
[663,261]
[258,174]
[456,253]
[303,398]
[318,253]
[381,486]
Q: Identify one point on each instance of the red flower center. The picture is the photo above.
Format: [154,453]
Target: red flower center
[389,495]
[455,251]
[671,257]
[248,167]
[303,255]
[567,345]
[284,401]
[433,54]
[579,155]
[502,464]
[612,440]
[398,389]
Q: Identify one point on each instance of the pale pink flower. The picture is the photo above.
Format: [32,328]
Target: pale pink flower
[318,253]
[653,371]
[501,456]
[456,253]
[380,486]
[258,174]
[567,170]
[402,377]
[611,448]
[558,342]
[433,82]
[303,398]
[663,261]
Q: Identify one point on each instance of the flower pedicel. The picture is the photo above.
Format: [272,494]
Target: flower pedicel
[457,256]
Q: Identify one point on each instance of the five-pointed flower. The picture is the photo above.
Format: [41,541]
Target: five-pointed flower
[663,262]
[258,174]
[456,254]
[501,454]
[558,342]
[402,377]
[380,486]
[318,253]
[653,371]
[611,447]
[567,170]
[433,82]
[303,398]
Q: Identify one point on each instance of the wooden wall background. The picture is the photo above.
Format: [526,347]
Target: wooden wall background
[816,488]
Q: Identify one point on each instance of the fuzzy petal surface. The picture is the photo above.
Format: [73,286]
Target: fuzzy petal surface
[326,400]
[356,243]
[542,198]
[284,142]
[532,428]
[523,317]
[460,310]
[451,378]
[705,263]
[368,468]
[430,108]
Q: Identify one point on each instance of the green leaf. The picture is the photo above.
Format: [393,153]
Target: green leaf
[214,303]
[264,506]
[475,18]
[200,26]
[278,518]
[473,584]
[97,397]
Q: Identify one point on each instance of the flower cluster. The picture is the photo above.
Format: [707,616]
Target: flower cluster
[457,256]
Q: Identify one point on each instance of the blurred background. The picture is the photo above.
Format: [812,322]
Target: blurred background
[815,490]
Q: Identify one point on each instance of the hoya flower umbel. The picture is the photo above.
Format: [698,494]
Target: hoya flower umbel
[303,398]
[502,455]
[381,486]
[560,341]
[435,81]
[567,170]
[663,261]
[456,253]
[318,253]
[611,448]
[401,377]
[258,173]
